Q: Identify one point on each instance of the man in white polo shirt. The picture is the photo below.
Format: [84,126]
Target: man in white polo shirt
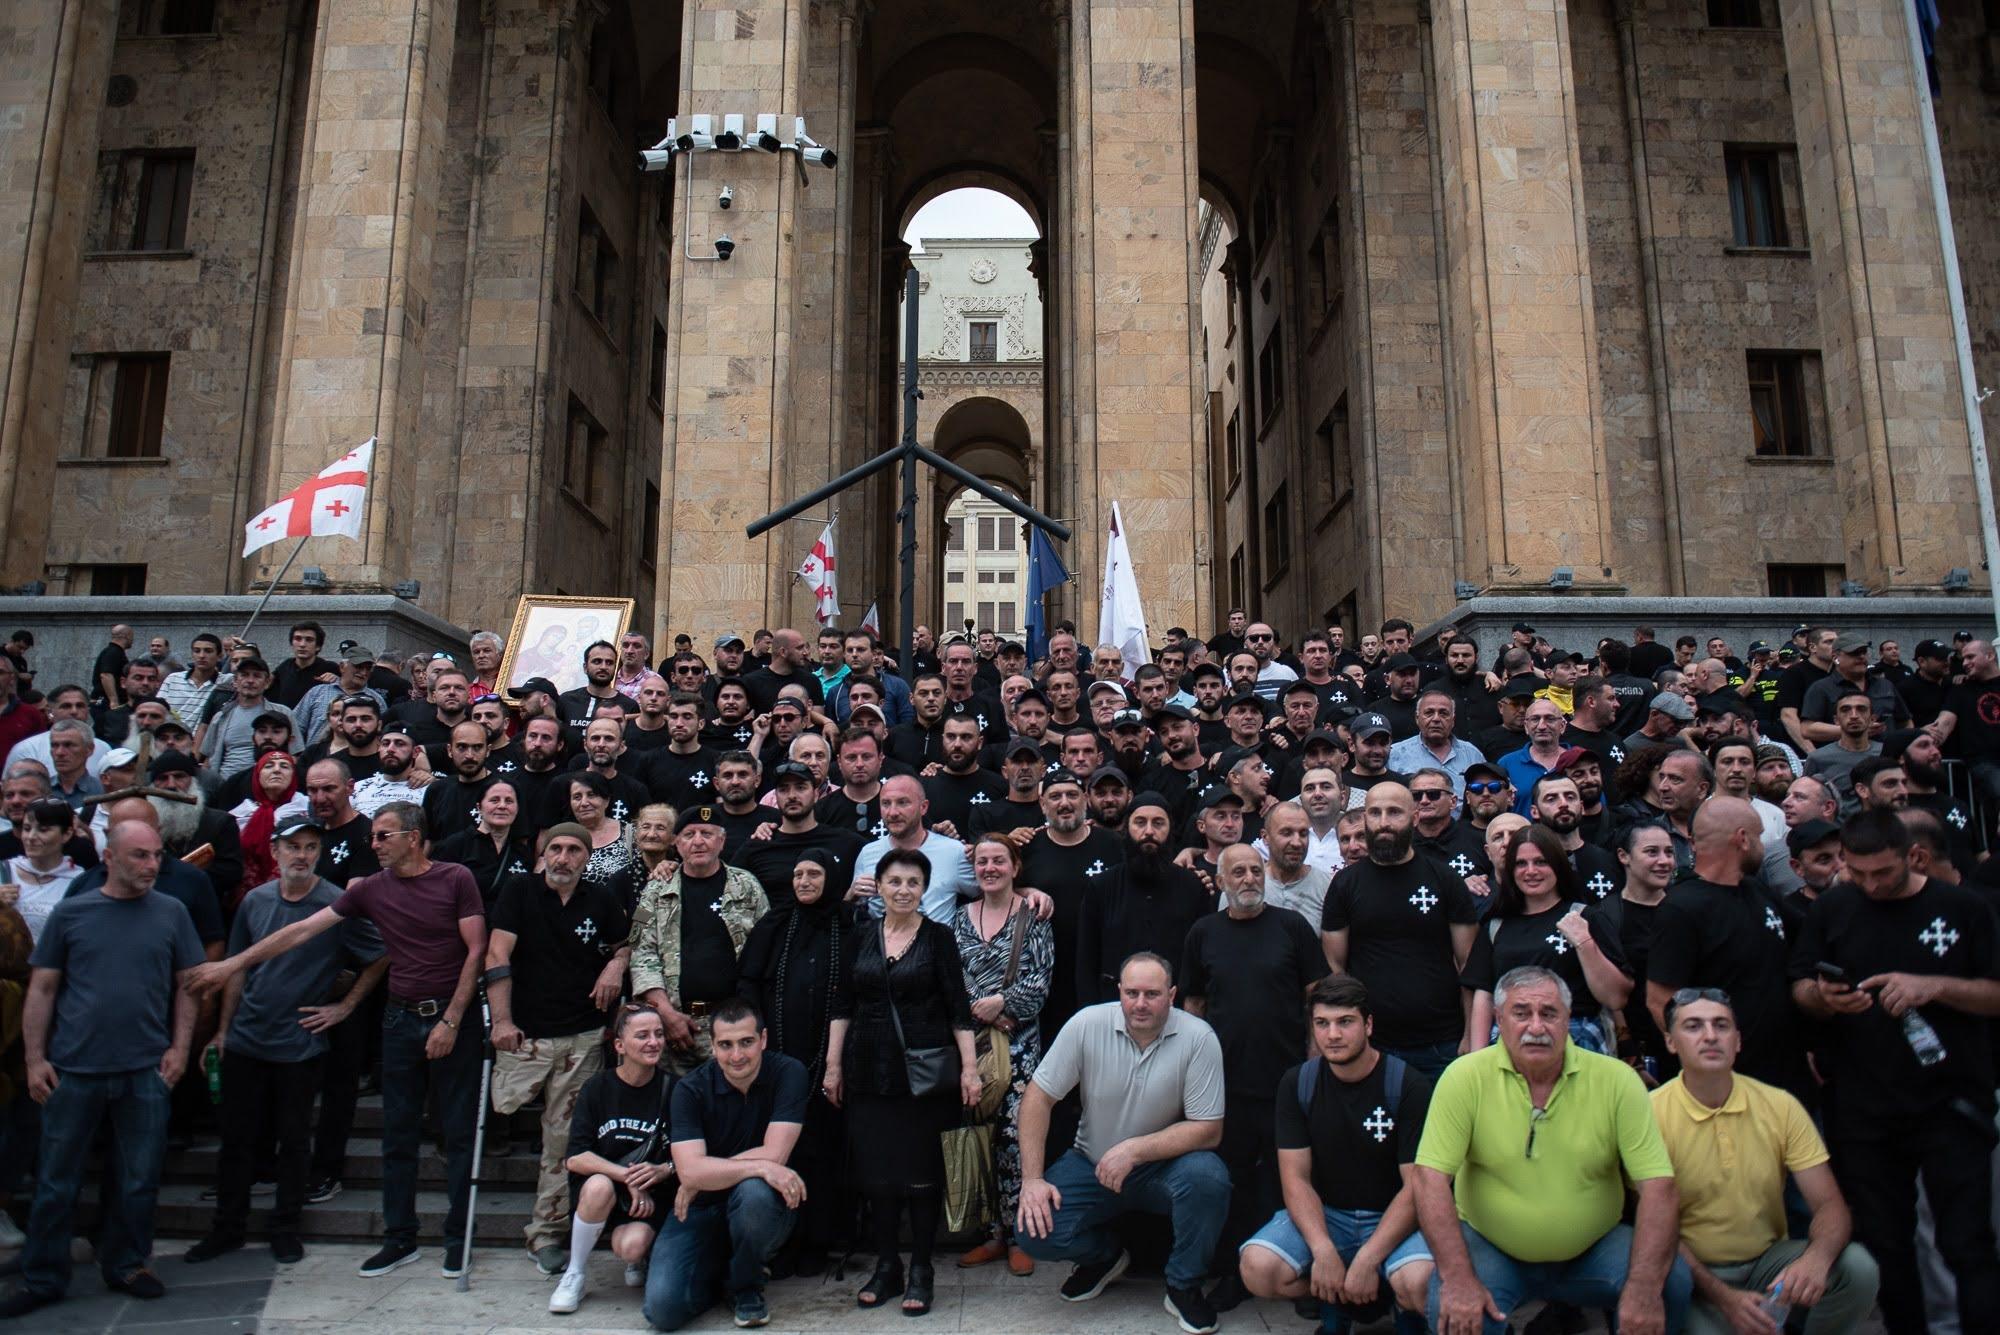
[1151,1078]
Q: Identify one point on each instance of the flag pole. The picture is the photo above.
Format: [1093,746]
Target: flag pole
[272,587]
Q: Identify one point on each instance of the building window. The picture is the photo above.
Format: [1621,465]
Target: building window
[987,615]
[1004,623]
[986,577]
[954,577]
[1337,455]
[1232,445]
[984,344]
[1781,386]
[1007,576]
[177,18]
[1238,595]
[1323,267]
[1277,533]
[989,536]
[656,385]
[586,462]
[159,222]
[138,406]
[1786,579]
[954,613]
[1757,179]
[1270,377]
[649,527]
[954,535]
[1736,14]
[116,581]
[603,70]
[596,268]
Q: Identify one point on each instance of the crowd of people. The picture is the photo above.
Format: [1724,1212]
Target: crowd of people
[1643,979]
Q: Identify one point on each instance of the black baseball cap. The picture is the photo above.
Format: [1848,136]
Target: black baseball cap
[1061,774]
[1932,649]
[1032,693]
[1021,746]
[1103,772]
[1811,834]
[1400,663]
[1368,725]
[1206,669]
[1172,710]
[272,716]
[1518,688]
[1487,768]
[1216,796]
[792,769]
[292,825]
[532,685]
[1245,698]
[173,762]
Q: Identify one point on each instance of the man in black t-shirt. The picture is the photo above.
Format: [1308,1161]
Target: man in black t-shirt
[346,852]
[683,771]
[1403,923]
[1970,720]
[772,858]
[1913,988]
[1244,970]
[555,964]
[1348,1145]
[1018,814]
[959,785]
[1072,861]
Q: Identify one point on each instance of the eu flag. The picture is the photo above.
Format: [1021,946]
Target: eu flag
[1045,572]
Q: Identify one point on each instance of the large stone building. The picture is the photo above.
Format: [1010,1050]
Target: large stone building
[1352,304]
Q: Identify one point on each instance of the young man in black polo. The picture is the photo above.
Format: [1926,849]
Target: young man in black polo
[736,1119]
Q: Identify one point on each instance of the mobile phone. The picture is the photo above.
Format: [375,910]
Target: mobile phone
[1832,973]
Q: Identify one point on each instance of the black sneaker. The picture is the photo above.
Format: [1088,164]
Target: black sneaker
[454,1259]
[751,1310]
[212,1246]
[1087,1281]
[141,1283]
[286,1249]
[393,1256]
[23,1301]
[1228,1294]
[1193,1311]
[323,1191]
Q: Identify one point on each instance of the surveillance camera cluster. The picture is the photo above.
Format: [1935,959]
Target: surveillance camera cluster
[703,137]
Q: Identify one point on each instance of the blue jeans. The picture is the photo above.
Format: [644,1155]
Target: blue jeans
[1192,1191]
[1348,1230]
[719,1247]
[408,1079]
[135,1105]
[1430,1058]
[1591,1281]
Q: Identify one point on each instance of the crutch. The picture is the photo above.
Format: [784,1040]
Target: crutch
[478,1139]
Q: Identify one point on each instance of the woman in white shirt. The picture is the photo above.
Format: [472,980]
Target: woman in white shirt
[38,879]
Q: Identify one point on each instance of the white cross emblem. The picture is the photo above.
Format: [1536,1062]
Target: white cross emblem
[1379,1124]
[742,736]
[715,906]
[878,829]
[698,779]
[1424,899]
[980,800]
[506,767]
[1939,936]
[586,929]
[1774,922]
[619,809]
[1599,884]
[1337,698]
[1095,869]
[473,811]
[516,869]
[1617,754]
[1957,817]
[1462,864]
[1559,941]
[338,852]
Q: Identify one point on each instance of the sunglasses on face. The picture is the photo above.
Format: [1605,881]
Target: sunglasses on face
[1484,786]
[1431,795]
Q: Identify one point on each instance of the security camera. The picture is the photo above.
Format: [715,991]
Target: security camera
[731,138]
[697,138]
[765,140]
[724,247]
[817,153]
[726,198]
[656,159]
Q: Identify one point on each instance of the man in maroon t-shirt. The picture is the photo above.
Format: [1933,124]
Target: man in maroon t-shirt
[434,924]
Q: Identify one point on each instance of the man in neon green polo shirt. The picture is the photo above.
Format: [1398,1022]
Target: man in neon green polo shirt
[1521,1178]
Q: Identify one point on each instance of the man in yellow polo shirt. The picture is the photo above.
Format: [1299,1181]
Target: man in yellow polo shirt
[1732,1140]
[1521,1178]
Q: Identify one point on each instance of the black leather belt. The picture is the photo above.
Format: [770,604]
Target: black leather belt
[424,1009]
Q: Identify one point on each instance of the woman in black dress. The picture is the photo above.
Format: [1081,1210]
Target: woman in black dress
[791,966]
[903,991]
[494,849]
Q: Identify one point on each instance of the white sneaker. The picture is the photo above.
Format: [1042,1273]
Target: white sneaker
[569,1292]
[10,1232]
[635,1275]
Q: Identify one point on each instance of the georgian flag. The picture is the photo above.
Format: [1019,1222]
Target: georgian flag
[871,621]
[325,506]
[817,571]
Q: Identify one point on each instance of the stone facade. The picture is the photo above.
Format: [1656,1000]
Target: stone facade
[1488,288]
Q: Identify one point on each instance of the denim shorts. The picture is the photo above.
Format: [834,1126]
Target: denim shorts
[1349,1229]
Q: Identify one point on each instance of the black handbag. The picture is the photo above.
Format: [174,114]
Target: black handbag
[929,1070]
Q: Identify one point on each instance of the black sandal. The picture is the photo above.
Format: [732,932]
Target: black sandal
[923,1283]
[884,1284]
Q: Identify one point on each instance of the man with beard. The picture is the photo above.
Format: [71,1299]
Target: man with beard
[394,779]
[855,805]
[354,730]
[1130,743]
[533,765]
[1149,907]
[1246,971]
[1028,716]
[1478,709]
[771,855]
[683,770]
[738,812]
[1922,760]
[1556,806]
[1451,841]
[321,706]
[1110,797]
[1073,862]
[1594,724]
[1925,689]
[1210,687]
[920,741]
[1018,815]
[451,803]
[555,964]
[190,825]
[1371,733]
[1398,701]
[600,672]
[958,787]
[446,705]
[1289,881]
[1403,923]
[1723,928]
[1218,824]
[733,725]
[789,665]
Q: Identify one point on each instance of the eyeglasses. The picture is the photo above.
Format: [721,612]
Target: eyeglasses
[383,836]
[1483,786]
[1258,637]
[1431,795]
[1536,1116]
[1687,996]
[487,699]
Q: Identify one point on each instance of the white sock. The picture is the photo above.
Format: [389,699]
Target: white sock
[583,1236]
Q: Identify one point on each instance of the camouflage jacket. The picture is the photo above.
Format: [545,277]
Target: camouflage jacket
[656,928]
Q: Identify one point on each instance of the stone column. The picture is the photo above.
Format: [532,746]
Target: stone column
[1529,444]
[730,335]
[356,322]
[1136,405]
[1894,409]
[860,385]
[54,59]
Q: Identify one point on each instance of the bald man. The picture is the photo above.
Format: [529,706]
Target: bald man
[176,879]
[1724,929]
[107,1029]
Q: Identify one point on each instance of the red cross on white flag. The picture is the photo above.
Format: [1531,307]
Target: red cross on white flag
[817,571]
[328,505]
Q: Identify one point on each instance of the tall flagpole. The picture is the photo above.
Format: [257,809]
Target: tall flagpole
[272,587]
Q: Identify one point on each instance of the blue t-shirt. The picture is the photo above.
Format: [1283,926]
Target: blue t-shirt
[266,1023]
[706,1107]
[118,957]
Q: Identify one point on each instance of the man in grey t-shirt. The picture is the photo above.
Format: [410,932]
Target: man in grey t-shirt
[106,1027]
[275,1017]
[1151,1078]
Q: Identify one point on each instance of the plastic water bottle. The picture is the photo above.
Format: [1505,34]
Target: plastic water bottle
[212,1063]
[1773,1304]
[1923,1039]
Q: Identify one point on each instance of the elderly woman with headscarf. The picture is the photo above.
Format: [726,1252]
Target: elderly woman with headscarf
[792,963]
[274,795]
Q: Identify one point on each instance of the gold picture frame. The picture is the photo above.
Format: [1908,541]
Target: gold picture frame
[550,633]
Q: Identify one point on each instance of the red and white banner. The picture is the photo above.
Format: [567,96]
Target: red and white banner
[871,621]
[817,571]
[326,506]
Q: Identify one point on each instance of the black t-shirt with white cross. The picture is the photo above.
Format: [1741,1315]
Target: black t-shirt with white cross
[682,780]
[1068,876]
[1003,816]
[628,794]
[864,818]
[346,852]
[719,736]
[1877,1083]
[451,804]
[954,797]
[1398,919]
[1737,938]
[773,860]
[1532,938]
[1358,1142]
[1605,744]
[559,951]
[1252,974]
[708,954]
[1599,870]
[1461,848]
